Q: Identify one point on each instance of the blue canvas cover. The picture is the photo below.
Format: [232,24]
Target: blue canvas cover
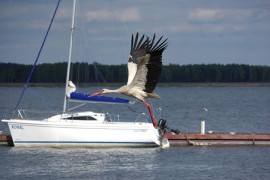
[84,97]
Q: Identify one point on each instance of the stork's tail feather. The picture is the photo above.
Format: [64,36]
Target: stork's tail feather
[153,95]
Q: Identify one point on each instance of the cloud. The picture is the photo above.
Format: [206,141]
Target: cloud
[13,12]
[64,13]
[211,28]
[202,14]
[220,14]
[264,15]
[26,15]
[188,27]
[219,20]
[128,15]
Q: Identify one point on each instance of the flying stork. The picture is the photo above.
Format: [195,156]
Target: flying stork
[144,68]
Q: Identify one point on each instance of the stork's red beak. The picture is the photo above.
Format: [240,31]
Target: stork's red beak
[95,94]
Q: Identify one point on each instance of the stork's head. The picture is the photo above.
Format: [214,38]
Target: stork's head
[102,91]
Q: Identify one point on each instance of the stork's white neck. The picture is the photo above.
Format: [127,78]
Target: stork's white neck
[107,91]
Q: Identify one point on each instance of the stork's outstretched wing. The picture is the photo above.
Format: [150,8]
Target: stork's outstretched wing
[137,52]
[154,65]
[150,65]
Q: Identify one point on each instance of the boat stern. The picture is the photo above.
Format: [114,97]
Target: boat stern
[159,139]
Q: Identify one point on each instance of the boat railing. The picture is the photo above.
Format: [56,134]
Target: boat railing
[112,118]
[138,118]
[40,115]
[142,117]
[30,114]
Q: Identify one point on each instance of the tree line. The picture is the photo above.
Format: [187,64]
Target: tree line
[87,73]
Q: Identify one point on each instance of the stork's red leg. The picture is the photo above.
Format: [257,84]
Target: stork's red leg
[151,113]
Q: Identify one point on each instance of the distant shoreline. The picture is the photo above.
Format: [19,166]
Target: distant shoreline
[210,84]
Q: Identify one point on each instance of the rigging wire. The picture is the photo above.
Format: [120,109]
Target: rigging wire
[80,25]
[123,22]
[81,22]
[35,63]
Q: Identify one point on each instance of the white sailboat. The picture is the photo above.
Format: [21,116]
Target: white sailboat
[82,129]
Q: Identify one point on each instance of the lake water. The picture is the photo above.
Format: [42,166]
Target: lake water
[229,109]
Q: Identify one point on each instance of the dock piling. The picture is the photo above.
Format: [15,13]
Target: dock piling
[202,127]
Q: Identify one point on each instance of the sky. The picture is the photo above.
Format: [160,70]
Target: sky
[198,31]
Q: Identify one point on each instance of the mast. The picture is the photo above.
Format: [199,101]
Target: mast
[70,54]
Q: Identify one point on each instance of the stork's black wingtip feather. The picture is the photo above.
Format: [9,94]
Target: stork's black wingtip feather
[159,45]
[137,42]
[142,45]
[138,48]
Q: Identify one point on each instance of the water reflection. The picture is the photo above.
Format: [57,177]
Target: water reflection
[80,162]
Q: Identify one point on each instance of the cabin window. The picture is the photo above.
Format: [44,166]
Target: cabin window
[81,118]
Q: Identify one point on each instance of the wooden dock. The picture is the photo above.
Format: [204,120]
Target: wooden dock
[6,139]
[195,139]
[217,139]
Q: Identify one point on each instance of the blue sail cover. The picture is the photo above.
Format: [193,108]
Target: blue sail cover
[83,97]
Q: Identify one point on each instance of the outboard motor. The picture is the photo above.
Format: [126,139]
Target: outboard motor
[164,142]
[162,124]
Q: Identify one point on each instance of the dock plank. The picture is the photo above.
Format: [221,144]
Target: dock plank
[218,139]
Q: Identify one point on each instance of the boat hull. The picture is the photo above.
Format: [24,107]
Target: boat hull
[31,133]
